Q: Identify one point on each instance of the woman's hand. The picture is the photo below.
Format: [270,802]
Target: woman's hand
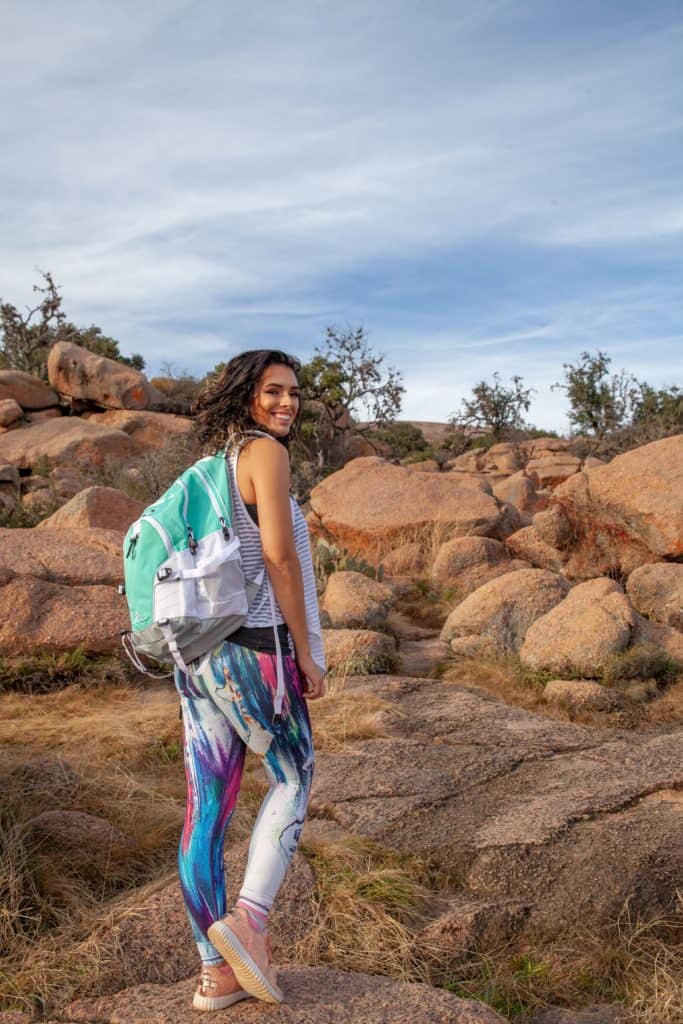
[312,677]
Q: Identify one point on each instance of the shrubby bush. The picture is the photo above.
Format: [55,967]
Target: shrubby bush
[25,341]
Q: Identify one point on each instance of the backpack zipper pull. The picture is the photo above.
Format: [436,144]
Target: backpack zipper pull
[191,542]
[130,553]
[226,528]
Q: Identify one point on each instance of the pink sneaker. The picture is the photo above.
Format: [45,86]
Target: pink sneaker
[218,987]
[249,954]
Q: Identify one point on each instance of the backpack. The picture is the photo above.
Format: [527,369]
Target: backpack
[184,581]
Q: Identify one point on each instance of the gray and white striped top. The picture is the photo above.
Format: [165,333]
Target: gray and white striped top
[259,613]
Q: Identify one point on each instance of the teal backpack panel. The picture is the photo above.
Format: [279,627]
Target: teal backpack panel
[196,505]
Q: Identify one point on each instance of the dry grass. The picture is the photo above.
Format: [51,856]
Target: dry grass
[92,725]
[428,602]
[369,904]
[646,705]
[506,677]
[75,956]
[361,662]
[47,672]
[636,963]
[342,717]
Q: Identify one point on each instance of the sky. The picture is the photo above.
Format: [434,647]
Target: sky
[483,186]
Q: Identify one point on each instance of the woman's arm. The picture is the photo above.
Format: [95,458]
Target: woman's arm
[269,471]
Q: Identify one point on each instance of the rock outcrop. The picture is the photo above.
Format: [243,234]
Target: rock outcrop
[563,820]
[147,430]
[36,615]
[27,391]
[10,412]
[582,695]
[626,513]
[75,843]
[355,601]
[502,611]
[517,489]
[527,544]
[66,441]
[78,556]
[656,591]
[371,506]
[79,374]
[594,622]
[358,651]
[466,563]
[313,995]
[9,486]
[552,469]
[95,507]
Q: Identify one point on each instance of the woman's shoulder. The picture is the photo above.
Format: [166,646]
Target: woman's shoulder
[265,451]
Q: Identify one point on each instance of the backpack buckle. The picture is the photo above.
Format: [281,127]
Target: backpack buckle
[164,573]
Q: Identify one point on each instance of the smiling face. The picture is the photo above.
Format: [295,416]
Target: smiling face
[275,403]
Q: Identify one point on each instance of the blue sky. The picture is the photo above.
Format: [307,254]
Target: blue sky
[484,186]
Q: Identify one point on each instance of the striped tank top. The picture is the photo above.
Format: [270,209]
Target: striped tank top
[259,613]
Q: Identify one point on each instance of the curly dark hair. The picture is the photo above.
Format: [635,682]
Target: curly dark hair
[222,407]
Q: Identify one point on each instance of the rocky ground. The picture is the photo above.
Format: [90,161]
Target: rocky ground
[495,830]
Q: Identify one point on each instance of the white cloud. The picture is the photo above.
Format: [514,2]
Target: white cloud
[211,162]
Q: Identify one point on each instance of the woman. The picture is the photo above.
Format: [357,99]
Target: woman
[231,704]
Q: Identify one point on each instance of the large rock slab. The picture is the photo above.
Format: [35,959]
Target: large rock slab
[10,412]
[552,469]
[68,440]
[150,941]
[561,818]
[656,591]
[518,490]
[354,651]
[313,995]
[503,610]
[529,545]
[540,447]
[77,373]
[77,844]
[582,695]
[355,601]
[95,507]
[147,430]
[594,622]
[628,512]
[36,615]
[371,505]
[504,457]
[9,486]
[73,556]
[29,392]
[466,563]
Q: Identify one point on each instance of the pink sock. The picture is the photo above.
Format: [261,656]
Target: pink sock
[256,915]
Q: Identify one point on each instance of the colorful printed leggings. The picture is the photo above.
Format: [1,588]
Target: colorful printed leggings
[225,709]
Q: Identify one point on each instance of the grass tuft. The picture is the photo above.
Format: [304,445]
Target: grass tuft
[341,717]
[369,903]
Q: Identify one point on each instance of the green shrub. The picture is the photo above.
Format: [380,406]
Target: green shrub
[327,558]
[642,661]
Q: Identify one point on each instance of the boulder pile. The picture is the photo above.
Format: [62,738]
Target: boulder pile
[55,436]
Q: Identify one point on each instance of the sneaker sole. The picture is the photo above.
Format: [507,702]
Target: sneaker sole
[250,976]
[217,1002]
